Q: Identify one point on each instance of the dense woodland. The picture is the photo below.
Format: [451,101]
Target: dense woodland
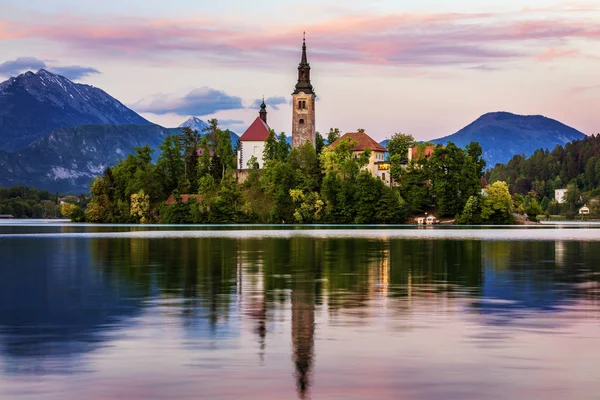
[24,202]
[532,180]
[301,185]
[322,185]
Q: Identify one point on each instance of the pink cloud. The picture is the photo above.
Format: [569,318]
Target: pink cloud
[399,39]
[553,54]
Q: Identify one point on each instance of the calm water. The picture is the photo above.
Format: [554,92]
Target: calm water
[119,312]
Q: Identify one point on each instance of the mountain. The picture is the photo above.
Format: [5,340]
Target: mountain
[199,125]
[503,135]
[33,105]
[195,123]
[68,159]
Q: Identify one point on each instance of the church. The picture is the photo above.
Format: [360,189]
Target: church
[252,141]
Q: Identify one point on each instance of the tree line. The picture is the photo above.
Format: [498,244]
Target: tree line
[532,180]
[25,202]
[320,184]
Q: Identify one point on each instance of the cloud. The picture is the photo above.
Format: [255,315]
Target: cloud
[200,102]
[401,39]
[273,102]
[21,64]
[74,72]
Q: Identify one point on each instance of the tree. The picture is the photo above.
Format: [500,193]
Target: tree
[271,147]
[190,143]
[283,147]
[319,143]
[573,196]
[170,165]
[140,206]
[399,144]
[309,206]
[333,135]
[497,207]
[471,214]
[72,211]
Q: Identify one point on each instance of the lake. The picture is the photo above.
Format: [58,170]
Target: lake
[288,312]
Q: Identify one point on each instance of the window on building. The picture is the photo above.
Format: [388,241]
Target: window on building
[383,176]
[255,149]
[301,122]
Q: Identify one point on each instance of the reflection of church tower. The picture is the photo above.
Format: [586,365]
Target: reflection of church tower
[303,107]
[303,330]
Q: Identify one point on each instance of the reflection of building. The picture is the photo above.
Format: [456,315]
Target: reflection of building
[377,166]
[251,292]
[303,330]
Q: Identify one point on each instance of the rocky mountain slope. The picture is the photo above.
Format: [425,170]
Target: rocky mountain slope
[68,159]
[34,104]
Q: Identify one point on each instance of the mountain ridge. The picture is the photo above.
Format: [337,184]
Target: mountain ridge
[34,104]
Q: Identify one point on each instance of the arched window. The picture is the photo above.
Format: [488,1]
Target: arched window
[301,122]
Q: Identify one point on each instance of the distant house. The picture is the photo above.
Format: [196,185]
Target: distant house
[252,142]
[6,216]
[584,210]
[560,195]
[377,166]
[185,198]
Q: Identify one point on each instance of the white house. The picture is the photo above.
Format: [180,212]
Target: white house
[560,195]
[252,142]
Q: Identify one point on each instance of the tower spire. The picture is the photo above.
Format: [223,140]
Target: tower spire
[304,84]
[304,59]
[263,111]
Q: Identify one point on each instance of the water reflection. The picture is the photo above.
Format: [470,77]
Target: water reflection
[64,300]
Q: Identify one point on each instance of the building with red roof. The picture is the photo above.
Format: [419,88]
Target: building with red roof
[252,142]
[378,166]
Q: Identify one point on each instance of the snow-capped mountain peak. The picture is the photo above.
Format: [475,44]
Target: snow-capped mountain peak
[194,123]
[34,104]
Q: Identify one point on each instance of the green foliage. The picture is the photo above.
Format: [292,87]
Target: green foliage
[300,185]
[309,207]
[399,144]
[497,206]
[333,135]
[471,214]
[24,202]
[577,163]
[73,212]
[455,176]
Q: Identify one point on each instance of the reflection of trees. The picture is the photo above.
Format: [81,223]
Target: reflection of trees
[53,306]
[201,271]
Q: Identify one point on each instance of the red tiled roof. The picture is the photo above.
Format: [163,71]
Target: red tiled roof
[363,142]
[258,131]
[418,152]
[185,198]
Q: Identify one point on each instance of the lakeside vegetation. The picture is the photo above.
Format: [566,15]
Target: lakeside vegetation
[301,185]
[533,180]
[322,185]
[24,202]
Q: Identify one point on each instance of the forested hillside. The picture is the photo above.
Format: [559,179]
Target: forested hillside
[575,166]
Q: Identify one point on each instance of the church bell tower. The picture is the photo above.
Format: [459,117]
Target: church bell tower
[303,107]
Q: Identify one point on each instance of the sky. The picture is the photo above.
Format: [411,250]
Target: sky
[425,68]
